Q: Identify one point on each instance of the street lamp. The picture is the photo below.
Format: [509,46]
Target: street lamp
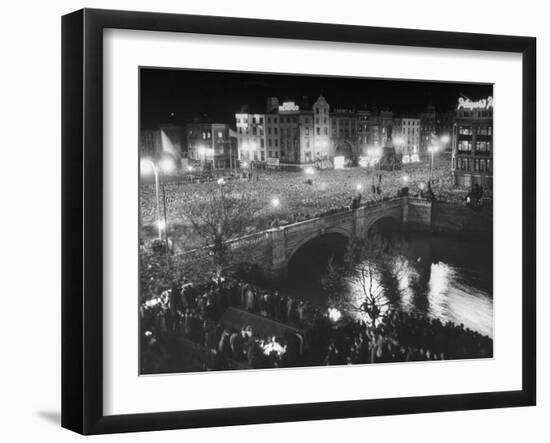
[432,149]
[375,155]
[158,168]
[275,202]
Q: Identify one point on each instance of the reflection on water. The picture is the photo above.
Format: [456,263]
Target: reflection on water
[440,276]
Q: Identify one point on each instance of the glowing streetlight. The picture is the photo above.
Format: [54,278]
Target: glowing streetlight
[190,168]
[275,202]
[309,171]
[445,139]
[334,314]
[375,155]
[359,187]
[161,225]
[146,166]
[405,179]
[158,168]
[166,164]
[432,149]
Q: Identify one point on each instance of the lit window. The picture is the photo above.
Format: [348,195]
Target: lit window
[464,146]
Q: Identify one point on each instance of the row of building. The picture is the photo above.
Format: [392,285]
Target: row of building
[292,133]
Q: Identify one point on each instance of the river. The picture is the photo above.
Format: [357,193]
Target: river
[442,276]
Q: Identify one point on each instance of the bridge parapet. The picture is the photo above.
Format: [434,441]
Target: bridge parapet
[275,247]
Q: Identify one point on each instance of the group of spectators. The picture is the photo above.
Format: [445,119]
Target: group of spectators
[195,312]
[312,338]
[302,196]
[405,336]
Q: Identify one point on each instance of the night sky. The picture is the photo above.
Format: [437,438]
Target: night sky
[178,96]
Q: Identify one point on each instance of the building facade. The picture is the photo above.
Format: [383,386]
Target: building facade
[212,145]
[272,138]
[409,139]
[472,140]
[286,134]
[251,137]
[321,129]
[292,133]
[344,136]
[363,122]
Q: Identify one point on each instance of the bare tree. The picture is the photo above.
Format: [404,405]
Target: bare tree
[219,219]
[365,268]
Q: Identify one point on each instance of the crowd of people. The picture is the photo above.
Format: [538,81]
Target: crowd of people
[313,337]
[404,336]
[173,307]
[300,196]
[195,312]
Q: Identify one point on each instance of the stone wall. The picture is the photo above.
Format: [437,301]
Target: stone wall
[457,218]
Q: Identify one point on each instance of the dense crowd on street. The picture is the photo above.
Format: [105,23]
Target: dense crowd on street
[301,197]
[314,338]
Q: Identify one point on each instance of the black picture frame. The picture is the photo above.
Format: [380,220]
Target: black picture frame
[82,219]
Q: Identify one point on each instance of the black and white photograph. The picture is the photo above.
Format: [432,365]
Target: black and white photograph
[295,221]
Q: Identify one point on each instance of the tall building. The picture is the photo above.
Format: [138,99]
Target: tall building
[363,122]
[472,153]
[381,128]
[212,144]
[272,138]
[289,133]
[344,138]
[321,128]
[251,137]
[410,136]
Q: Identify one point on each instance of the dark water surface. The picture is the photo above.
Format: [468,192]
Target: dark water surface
[441,276]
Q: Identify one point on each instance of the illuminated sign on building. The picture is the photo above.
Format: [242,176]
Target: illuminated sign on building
[485,103]
[289,107]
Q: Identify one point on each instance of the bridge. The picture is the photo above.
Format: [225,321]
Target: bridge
[274,248]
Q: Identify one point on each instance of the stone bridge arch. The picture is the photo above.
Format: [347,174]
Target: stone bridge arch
[333,230]
[393,218]
[312,254]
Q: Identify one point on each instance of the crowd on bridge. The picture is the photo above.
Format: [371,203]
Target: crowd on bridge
[195,313]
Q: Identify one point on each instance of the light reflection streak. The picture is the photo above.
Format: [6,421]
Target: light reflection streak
[448,299]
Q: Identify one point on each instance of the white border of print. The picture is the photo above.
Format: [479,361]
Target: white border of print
[125,392]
